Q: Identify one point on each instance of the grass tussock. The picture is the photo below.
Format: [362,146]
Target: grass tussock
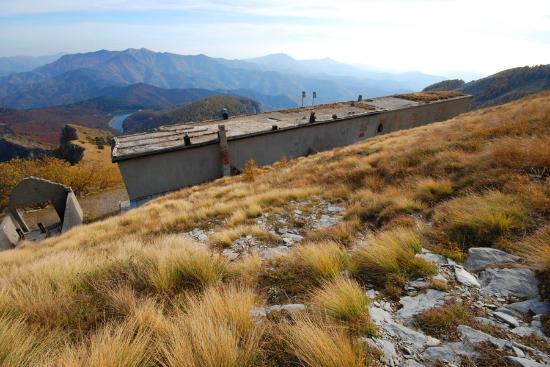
[389,259]
[343,233]
[378,208]
[536,249]
[112,346]
[317,345]
[214,330]
[431,191]
[441,322]
[186,263]
[481,219]
[304,268]
[343,299]
[24,346]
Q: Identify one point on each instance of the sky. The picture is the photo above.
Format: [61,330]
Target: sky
[441,37]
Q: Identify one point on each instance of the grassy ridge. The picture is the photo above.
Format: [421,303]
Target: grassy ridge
[132,287]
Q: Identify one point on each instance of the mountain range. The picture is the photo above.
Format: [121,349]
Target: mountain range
[76,77]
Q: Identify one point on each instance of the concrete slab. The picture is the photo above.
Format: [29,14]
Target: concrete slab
[8,234]
[73,213]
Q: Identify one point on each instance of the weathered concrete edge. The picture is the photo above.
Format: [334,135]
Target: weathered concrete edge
[115,159]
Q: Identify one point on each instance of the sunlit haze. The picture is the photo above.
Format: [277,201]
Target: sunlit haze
[437,37]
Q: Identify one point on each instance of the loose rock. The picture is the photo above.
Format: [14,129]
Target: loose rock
[465,278]
[520,283]
[510,320]
[524,362]
[473,337]
[481,257]
[415,305]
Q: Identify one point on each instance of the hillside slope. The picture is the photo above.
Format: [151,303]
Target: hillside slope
[186,280]
[505,86]
[204,109]
[508,85]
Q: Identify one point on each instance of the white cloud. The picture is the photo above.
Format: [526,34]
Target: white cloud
[428,35]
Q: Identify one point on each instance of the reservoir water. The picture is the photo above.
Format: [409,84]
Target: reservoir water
[116,122]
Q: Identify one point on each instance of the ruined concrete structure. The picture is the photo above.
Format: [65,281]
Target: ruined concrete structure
[32,191]
[180,155]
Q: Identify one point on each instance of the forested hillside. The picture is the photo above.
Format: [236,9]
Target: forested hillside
[205,109]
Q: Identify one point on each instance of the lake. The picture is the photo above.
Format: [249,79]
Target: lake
[116,122]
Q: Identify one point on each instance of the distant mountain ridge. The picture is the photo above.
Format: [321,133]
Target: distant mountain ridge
[76,77]
[329,67]
[502,87]
[19,64]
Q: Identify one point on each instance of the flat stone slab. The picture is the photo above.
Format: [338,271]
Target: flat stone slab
[524,362]
[380,316]
[527,331]
[520,283]
[410,336]
[466,278]
[510,320]
[535,306]
[474,337]
[481,257]
[448,352]
[422,302]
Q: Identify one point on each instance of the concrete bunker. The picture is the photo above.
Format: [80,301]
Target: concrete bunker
[33,191]
[184,154]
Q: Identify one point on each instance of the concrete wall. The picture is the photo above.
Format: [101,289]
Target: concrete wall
[8,234]
[155,174]
[73,213]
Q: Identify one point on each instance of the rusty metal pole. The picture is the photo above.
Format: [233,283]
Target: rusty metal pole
[224,151]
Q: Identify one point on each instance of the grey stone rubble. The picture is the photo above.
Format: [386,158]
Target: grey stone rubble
[498,294]
[403,345]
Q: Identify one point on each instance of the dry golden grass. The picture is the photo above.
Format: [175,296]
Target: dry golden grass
[108,286]
[112,346]
[536,249]
[319,345]
[390,255]
[215,329]
[442,322]
[342,233]
[430,191]
[226,237]
[305,267]
[430,96]
[343,299]
[481,219]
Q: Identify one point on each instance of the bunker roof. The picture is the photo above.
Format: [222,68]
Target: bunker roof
[170,137]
